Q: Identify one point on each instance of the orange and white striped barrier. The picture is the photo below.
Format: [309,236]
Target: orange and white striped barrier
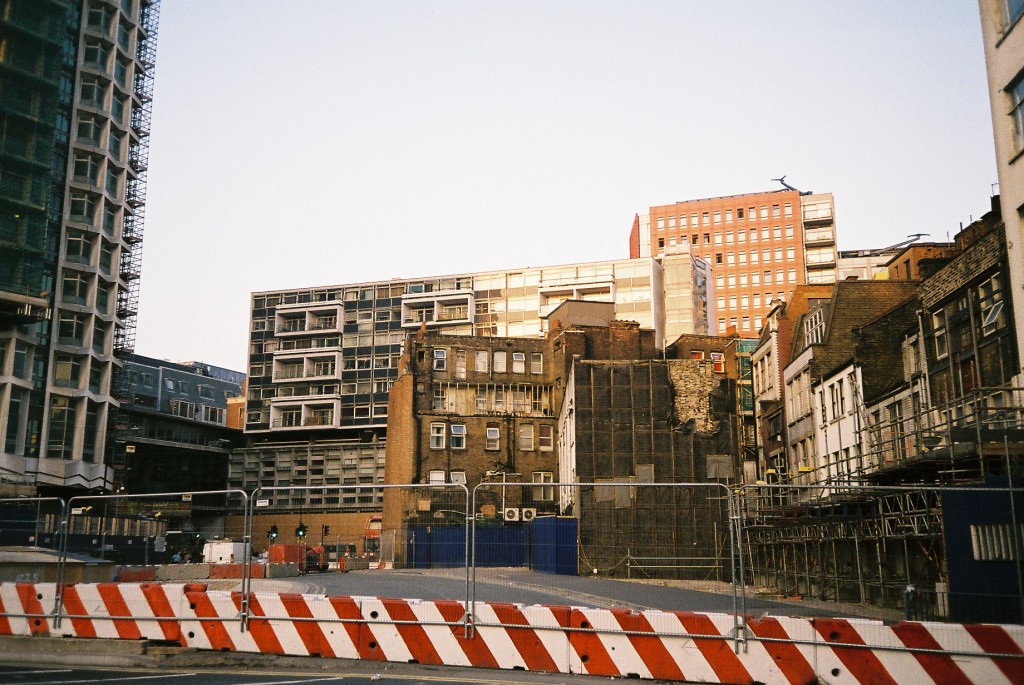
[668,645]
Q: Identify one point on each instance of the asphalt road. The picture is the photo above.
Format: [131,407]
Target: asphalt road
[528,587]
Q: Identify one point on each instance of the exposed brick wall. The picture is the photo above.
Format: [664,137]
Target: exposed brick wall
[400,459]
[693,382]
[981,256]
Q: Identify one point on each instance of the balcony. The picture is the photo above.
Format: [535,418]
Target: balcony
[289,373]
[819,238]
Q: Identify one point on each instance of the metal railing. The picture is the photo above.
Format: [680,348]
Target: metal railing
[881,547]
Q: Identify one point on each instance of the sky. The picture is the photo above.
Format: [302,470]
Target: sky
[325,142]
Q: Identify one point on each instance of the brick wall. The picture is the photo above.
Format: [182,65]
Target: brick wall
[981,256]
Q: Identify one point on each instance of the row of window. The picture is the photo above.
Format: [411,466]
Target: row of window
[745,301]
[755,278]
[540,492]
[482,359]
[774,233]
[528,437]
[380,338]
[741,323]
[987,298]
[719,216]
[717,359]
[188,410]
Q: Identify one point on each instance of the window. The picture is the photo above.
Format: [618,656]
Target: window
[436,477]
[213,414]
[543,493]
[493,441]
[460,364]
[545,437]
[536,362]
[939,327]
[79,248]
[814,327]
[92,91]
[526,437]
[1016,92]
[184,409]
[76,287]
[1012,11]
[718,362]
[518,362]
[99,18]
[458,436]
[114,144]
[70,329]
[437,436]
[440,359]
[82,207]
[499,362]
[440,399]
[86,168]
[96,53]
[990,303]
[89,129]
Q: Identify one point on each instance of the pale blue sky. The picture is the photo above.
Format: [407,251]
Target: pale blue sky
[320,142]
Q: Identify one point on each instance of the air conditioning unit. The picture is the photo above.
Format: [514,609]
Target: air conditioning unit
[511,514]
[528,514]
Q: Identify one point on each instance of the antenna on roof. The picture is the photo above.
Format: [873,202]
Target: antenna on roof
[789,187]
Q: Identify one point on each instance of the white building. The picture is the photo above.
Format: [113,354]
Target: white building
[1002,25]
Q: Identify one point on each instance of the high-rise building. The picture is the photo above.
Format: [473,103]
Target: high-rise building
[1002,26]
[76,86]
[322,360]
[759,247]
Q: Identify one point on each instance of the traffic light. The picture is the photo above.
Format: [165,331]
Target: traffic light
[300,532]
[272,533]
[326,530]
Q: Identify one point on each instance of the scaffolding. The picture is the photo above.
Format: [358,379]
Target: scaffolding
[132,229]
[852,539]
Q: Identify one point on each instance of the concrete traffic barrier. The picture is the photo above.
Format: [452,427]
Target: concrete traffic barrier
[183,572]
[668,645]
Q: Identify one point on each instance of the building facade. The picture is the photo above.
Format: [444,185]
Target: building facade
[178,438]
[323,360]
[473,409]
[76,87]
[898,383]
[1003,37]
[759,247]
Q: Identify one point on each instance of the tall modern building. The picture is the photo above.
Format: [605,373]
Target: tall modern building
[759,247]
[322,360]
[1002,25]
[76,87]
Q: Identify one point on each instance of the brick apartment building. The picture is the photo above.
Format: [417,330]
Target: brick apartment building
[594,400]
[759,247]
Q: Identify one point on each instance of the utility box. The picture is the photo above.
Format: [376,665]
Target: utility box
[225,552]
